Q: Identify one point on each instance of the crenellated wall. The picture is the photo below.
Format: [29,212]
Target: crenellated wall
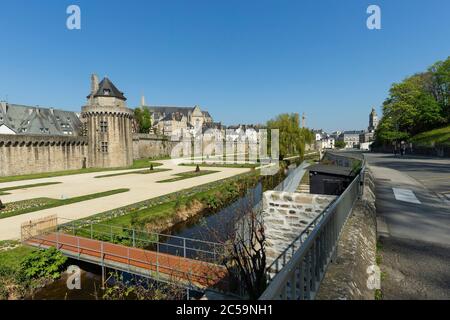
[25,154]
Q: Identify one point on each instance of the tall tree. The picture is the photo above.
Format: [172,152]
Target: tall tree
[292,137]
[144,119]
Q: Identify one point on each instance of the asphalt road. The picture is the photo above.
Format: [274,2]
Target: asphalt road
[413,209]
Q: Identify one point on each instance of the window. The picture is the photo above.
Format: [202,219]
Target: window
[106,92]
[103,126]
[104,147]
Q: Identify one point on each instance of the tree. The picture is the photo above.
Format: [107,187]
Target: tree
[292,137]
[339,144]
[417,104]
[144,119]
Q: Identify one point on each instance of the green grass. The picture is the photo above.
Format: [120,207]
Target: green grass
[137,164]
[429,138]
[27,186]
[222,165]
[10,259]
[47,203]
[188,175]
[146,171]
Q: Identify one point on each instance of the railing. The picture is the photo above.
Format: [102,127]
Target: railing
[161,243]
[299,270]
[130,259]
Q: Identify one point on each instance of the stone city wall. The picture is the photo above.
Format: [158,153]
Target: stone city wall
[151,146]
[25,154]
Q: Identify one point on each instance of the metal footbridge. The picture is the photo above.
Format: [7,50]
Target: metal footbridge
[183,261]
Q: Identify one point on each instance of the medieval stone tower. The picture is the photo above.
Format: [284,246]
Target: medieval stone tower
[108,126]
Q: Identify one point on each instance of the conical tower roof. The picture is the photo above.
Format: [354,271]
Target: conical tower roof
[107,89]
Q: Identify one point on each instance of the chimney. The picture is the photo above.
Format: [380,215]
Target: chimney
[94,83]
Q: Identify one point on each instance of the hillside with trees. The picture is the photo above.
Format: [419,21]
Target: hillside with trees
[416,105]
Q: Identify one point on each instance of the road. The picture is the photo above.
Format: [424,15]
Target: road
[142,187]
[413,209]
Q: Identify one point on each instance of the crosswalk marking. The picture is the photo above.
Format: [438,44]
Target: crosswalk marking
[405,195]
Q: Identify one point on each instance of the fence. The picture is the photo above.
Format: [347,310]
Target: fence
[301,267]
[33,228]
[161,243]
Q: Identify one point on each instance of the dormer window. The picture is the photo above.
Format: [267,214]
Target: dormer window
[106,92]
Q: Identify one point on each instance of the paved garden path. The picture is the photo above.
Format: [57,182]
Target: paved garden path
[142,187]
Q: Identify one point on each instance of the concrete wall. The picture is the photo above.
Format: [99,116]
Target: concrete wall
[24,154]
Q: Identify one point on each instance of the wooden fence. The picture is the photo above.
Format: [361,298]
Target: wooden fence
[37,227]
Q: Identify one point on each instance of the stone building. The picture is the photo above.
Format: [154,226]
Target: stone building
[21,119]
[170,120]
[351,138]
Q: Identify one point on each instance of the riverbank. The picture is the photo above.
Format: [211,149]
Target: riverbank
[24,270]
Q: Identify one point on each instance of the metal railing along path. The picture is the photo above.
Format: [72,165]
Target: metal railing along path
[133,260]
[179,246]
[299,270]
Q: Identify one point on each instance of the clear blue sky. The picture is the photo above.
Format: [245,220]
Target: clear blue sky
[243,60]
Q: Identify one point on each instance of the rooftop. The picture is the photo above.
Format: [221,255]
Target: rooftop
[331,169]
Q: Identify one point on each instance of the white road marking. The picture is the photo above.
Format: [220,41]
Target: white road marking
[405,195]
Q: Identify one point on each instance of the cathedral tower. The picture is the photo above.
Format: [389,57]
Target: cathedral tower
[373,121]
[108,125]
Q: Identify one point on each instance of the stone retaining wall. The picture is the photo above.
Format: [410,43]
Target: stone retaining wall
[286,215]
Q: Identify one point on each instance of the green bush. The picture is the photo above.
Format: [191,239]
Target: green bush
[43,264]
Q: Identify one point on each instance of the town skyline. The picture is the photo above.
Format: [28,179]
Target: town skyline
[204,60]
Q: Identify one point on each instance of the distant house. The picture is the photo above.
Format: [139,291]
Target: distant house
[172,120]
[351,138]
[242,132]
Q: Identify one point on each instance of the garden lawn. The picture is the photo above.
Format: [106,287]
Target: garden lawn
[31,205]
[27,186]
[188,175]
[222,165]
[146,171]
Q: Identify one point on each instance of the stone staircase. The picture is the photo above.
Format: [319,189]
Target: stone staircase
[303,188]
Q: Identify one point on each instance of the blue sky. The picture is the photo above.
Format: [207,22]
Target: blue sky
[243,60]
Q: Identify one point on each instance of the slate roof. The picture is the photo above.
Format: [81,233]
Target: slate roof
[353,132]
[331,169]
[39,120]
[107,89]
